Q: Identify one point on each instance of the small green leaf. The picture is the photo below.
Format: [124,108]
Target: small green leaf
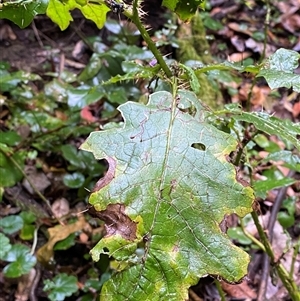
[10,138]
[22,12]
[70,153]
[58,12]
[184,9]
[262,187]
[27,232]
[194,82]
[60,287]
[292,160]
[9,81]
[278,70]
[11,224]
[21,261]
[237,234]
[285,219]
[28,217]
[96,13]
[91,69]
[74,180]
[9,173]
[66,243]
[5,246]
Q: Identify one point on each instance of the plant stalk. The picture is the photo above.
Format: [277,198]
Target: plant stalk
[135,18]
[284,276]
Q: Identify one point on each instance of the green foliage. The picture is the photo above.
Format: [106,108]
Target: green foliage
[238,235]
[22,12]
[21,261]
[271,125]
[29,227]
[185,9]
[59,12]
[287,217]
[5,245]
[160,188]
[279,68]
[60,287]
[10,173]
[11,224]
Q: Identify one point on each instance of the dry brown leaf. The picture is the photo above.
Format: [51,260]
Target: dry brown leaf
[296,109]
[24,286]
[291,23]
[239,28]
[241,290]
[258,95]
[237,57]
[39,179]
[6,32]
[60,207]
[58,233]
[238,43]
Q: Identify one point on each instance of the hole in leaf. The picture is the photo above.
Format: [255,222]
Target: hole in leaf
[106,250]
[199,146]
[189,110]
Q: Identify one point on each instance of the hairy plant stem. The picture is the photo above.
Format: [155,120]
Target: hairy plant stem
[251,237]
[284,276]
[220,291]
[135,18]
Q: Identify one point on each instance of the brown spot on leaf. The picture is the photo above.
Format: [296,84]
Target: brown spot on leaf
[224,224]
[239,178]
[110,174]
[117,222]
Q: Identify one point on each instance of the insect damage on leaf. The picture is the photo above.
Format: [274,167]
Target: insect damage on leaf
[116,221]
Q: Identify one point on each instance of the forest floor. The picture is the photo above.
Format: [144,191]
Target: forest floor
[235,32]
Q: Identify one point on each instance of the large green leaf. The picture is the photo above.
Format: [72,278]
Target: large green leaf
[278,70]
[22,12]
[163,198]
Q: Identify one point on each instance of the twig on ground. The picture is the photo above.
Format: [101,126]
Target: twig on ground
[194,296]
[37,35]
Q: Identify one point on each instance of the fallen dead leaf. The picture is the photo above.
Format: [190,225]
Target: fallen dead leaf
[239,56]
[60,207]
[39,179]
[58,233]
[24,286]
[86,114]
[241,290]
[296,109]
[6,33]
